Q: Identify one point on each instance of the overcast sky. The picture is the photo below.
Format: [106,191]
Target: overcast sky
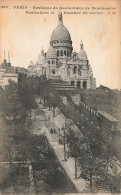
[25,34]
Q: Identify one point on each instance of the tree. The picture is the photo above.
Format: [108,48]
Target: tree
[43,90]
[111,176]
[90,164]
[26,94]
[75,143]
[54,99]
[7,150]
[11,105]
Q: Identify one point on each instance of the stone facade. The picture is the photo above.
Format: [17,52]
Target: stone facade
[60,62]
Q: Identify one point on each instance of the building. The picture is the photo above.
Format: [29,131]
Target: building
[107,122]
[60,62]
[7,73]
[32,69]
[21,70]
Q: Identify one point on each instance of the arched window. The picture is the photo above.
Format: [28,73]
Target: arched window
[78,84]
[84,85]
[48,62]
[57,53]
[67,53]
[72,83]
[75,70]
[53,71]
[61,52]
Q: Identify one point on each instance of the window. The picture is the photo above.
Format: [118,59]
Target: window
[75,69]
[57,53]
[53,71]
[48,62]
[67,53]
[72,83]
[84,85]
[61,53]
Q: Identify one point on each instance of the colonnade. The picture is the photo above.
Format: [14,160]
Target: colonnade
[79,84]
[66,53]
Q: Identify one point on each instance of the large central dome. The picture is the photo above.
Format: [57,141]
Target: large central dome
[60,33]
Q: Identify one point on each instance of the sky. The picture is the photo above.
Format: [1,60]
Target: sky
[24,35]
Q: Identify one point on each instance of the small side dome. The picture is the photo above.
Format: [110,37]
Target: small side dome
[82,54]
[31,64]
[41,57]
[51,53]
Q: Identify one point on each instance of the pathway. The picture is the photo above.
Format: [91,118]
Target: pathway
[40,127]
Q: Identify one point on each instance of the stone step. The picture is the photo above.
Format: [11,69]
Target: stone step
[102,187]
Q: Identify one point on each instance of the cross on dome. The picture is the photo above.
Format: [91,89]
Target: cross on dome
[81,45]
[60,16]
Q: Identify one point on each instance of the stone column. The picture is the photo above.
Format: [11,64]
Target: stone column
[88,84]
[75,83]
[81,84]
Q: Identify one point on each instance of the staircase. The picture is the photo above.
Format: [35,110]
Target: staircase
[101,187]
[61,85]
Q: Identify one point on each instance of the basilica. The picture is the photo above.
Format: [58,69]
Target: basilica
[60,62]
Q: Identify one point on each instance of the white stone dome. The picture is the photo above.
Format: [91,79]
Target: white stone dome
[51,53]
[41,59]
[31,64]
[60,32]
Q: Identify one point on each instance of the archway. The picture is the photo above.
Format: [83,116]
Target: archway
[84,85]
[78,84]
[72,83]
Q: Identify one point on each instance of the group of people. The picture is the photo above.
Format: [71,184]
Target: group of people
[52,131]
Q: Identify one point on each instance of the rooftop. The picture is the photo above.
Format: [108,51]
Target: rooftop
[107,116]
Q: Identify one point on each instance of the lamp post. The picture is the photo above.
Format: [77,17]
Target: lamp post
[64,143]
[59,135]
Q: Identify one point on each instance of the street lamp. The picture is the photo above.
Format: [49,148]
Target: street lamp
[59,135]
[64,143]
